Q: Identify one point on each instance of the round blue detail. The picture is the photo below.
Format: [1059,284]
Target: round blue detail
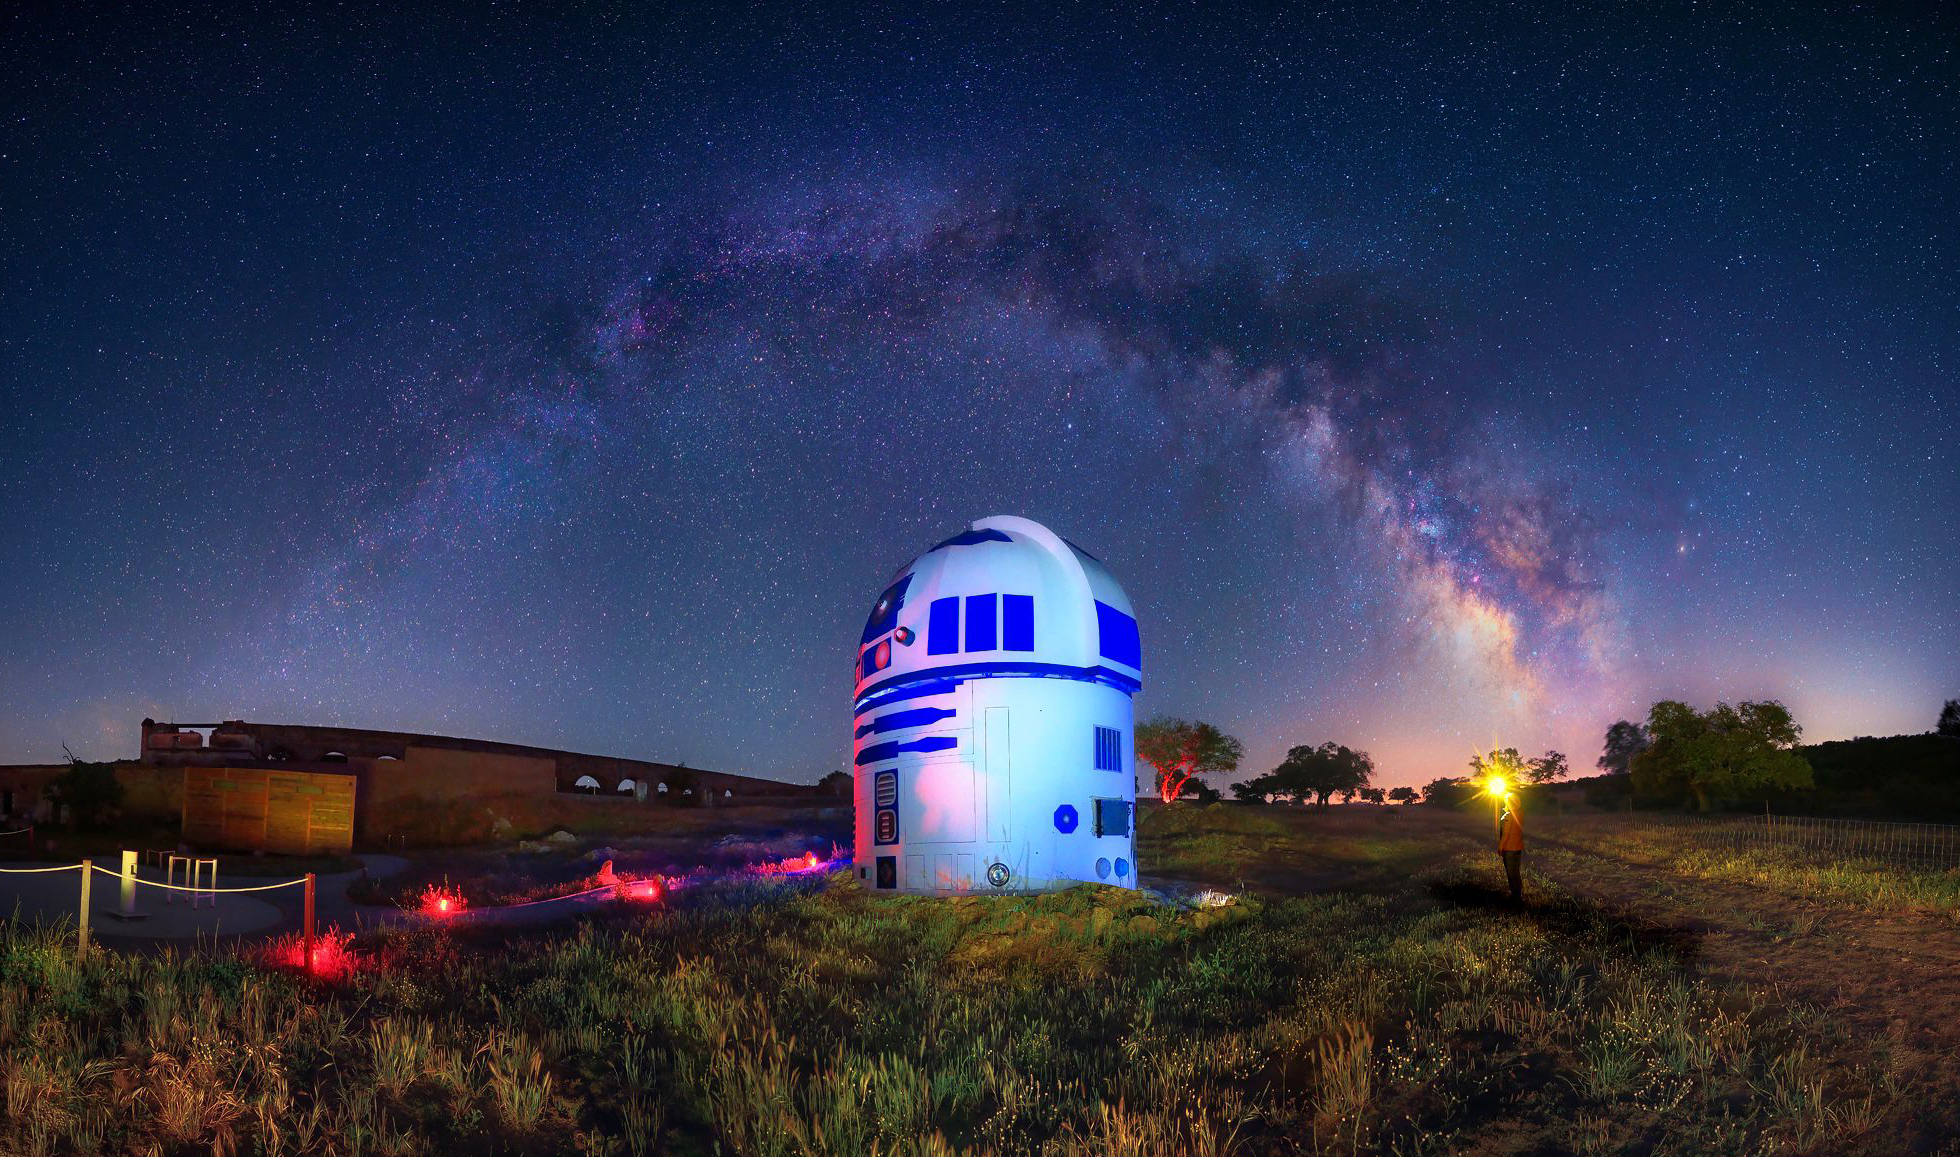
[1066,819]
[1102,868]
[1122,867]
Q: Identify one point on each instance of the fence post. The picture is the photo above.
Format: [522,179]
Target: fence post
[307,922]
[81,940]
[128,884]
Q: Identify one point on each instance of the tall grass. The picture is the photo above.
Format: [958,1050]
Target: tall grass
[818,1019]
[1869,885]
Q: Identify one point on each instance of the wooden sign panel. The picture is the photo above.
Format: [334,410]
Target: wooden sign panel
[251,809]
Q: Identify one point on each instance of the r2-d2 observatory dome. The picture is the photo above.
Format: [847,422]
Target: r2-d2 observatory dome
[992,723]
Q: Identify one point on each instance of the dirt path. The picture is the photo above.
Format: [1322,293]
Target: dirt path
[1893,978]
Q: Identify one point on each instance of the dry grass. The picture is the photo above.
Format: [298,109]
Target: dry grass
[813,1018]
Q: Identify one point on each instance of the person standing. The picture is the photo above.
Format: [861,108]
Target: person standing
[1510,845]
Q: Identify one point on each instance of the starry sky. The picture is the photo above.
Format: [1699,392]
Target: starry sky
[1430,377]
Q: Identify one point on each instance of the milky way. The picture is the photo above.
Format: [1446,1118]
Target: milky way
[1428,387]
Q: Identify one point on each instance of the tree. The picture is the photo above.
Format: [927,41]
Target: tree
[1624,740]
[1201,792]
[1374,794]
[1950,719]
[1547,768]
[837,783]
[1319,772]
[1446,789]
[1178,752]
[1403,795]
[1250,790]
[1501,761]
[1721,755]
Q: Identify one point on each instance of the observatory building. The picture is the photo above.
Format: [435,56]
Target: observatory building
[992,722]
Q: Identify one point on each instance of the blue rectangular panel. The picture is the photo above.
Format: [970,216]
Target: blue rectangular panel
[943,627]
[1017,622]
[1119,636]
[980,622]
[1109,749]
[1112,817]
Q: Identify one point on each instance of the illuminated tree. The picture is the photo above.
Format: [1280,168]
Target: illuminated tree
[1178,751]
[1501,761]
[1720,755]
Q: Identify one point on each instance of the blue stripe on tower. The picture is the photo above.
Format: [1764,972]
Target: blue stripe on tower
[893,749]
[900,720]
[940,680]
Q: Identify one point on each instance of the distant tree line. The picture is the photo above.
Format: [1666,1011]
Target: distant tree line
[1726,755]
[1179,752]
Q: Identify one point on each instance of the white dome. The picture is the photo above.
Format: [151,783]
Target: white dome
[1006,594]
[992,728]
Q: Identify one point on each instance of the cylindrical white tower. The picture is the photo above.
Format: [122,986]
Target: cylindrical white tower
[992,722]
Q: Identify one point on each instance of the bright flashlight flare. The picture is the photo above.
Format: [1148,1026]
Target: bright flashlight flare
[1496,786]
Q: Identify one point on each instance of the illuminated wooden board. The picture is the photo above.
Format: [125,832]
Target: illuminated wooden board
[259,809]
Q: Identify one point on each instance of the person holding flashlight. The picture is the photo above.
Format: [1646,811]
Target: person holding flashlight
[1510,843]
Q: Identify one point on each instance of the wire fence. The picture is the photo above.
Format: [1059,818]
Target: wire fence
[1928,847]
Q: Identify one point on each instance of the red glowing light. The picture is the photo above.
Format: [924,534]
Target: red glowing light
[333,955]
[791,865]
[442,901]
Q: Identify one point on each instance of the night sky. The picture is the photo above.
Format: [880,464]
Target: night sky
[1430,379]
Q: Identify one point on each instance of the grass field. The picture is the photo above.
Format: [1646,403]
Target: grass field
[1362,991]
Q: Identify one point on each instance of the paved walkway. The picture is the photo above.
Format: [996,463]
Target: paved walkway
[54,897]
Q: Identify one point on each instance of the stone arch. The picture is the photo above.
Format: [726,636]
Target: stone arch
[627,785]
[586,783]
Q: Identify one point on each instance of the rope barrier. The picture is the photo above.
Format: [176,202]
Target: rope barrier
[202,891]
[17,832]
[112,873]
[552,899]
